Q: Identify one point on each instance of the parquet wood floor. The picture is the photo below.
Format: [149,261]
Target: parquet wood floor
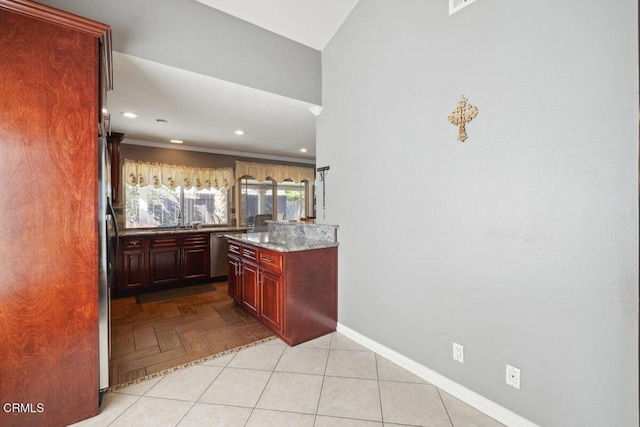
[152,337]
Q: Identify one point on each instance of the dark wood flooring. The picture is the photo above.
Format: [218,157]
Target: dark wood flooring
[152,337]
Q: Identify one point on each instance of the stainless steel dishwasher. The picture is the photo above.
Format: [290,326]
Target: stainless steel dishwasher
[218,253]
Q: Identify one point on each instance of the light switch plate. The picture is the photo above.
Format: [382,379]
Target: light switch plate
[458,352]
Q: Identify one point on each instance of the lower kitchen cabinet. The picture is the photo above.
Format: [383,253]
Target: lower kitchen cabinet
[134,272]
[155,261]
[249,287]
[196,260]
[293,293]
[235,276]
[271,300]
[164,260]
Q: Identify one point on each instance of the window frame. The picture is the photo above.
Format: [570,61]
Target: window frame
[228,210]
[238,203]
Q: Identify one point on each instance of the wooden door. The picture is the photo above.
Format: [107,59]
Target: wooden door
[48,205]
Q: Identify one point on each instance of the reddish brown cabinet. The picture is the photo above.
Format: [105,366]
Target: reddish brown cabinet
[164,260]
[156,261]
[271,299]
[250,279]
[195,258]
[50,81]
[235,271]
[134,271]
[293,293]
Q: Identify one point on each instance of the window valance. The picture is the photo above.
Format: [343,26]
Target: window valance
[172,176]
[279,173]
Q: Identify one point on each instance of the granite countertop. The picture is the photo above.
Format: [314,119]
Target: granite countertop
[176,230]
[263,240]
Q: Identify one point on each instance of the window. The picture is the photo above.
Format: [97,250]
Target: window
[256,202]
[258,205]
[291,200]
[206,206]
[161,207]
[159,195]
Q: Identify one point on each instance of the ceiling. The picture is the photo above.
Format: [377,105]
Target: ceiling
[204,111]
[310,22]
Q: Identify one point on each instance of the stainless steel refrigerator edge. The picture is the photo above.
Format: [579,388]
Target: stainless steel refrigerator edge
[108,230]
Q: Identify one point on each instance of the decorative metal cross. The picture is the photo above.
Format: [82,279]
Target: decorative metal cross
[461,115]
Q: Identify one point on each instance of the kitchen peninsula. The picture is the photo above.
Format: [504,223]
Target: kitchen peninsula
[287,277]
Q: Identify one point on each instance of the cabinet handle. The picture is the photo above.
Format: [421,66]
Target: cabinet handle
[267,259]
[134,242]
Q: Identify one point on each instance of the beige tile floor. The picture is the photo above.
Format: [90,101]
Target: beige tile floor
[328,382]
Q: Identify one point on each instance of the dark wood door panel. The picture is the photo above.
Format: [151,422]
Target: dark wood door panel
[234,279]
[164,266]
[134,273]
[195,263]
[271,300]
[250,287]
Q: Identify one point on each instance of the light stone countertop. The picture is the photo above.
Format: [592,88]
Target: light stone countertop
[176,230]
[263,240]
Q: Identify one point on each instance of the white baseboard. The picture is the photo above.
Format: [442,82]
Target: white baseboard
[469,397]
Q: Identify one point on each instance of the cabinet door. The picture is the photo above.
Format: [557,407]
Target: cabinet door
[234,279]
[195,263]
[164,261]
[249,291]
[271,299]
[133,272]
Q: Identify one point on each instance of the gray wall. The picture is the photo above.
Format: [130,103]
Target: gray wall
[521,243]
[189,35]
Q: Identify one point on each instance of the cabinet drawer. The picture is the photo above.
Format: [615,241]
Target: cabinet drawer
[272,260]
[160,242]
[250,252]
[132,244]
[235,248]
[197,240]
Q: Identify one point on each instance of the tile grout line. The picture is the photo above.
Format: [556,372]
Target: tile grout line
[203,392]
[445,406]
[324,376]
[379,390]
[265,386]
[125,410]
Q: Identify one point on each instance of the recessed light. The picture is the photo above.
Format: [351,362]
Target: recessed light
[239,132]
[129,115]
[177,141]
[162,121]
[303,150]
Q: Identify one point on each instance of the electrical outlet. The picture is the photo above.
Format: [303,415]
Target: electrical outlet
[513,376]
[458,352]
